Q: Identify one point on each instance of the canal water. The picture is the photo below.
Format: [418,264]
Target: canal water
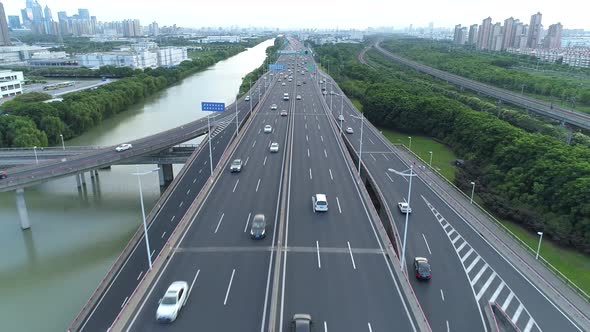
[48,272]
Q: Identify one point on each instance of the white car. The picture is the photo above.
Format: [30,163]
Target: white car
[267,129]
[349,130]
[174,299]
[340,117]
[274,147]
[273,107]
[404,207]
[298,97]
[320,203]
[247,98]
[283,83]
[123,147]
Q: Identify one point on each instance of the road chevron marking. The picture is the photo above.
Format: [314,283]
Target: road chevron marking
[481,294]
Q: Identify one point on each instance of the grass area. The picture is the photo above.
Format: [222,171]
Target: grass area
[573,264]
[442,156]
[357,104]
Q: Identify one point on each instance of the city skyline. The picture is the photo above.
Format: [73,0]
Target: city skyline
[310,14]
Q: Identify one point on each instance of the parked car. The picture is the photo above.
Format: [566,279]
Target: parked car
[404,207]
[123,147]
[174,299]
[258,227]
[274,147]
[422,268]
[236,166]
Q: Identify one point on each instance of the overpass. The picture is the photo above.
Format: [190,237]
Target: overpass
[562,114]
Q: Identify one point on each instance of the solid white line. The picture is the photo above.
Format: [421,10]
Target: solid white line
[517,314]
[371,140]
[124,301]
[317,244]
[472,264]
[190,289]
[325,326]
[235,186]
[338,202]
[257,185]
[264,162]
[153,252]
[188,192]
[384,155]
[308,153]
[229,286]
[390,179]
[163,234]
[474,281]
[219,223]
[485,286]
[442,295]
[331,177]
[140,274]
[181,203]
[247,222]
[497,292]
[466,255]
[427,246]
[310,177]
[351,257]
[325,153]
[508,300]
[529,325]
[372,156]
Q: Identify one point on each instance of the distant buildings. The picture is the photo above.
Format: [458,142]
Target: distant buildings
[572,56]
[553,38]
[141,57]
[14,22]
[4,37]
[221,39]
[10,83]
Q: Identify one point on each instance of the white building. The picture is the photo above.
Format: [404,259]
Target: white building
[171,56]
[144,58]
[11,83]
[221,39]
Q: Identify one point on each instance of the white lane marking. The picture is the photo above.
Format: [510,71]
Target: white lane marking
[351,257]
[174,216]
[190,289]
[472,264]
[181,204]
[317,244]
[385,156]
[325,326]
[254,143]
[485,286]
[247,221]
[451,232]
[508,300]
[235,186]
[306,126]
[370,140]
[229,286]
[219,223]
[124,301]
[517,314]
[448,328]
[466,255]
[372,156]
[338,202]
[427,246]
[308,153]
[442,295]
[188,192]
[257,185]
[369,325]
[529,325]
[306,138]
[163,234]
[200,171]
[310,177]
[497,292]
[246,162]
[390,179]
[153,252]
[264,162]
[325,153]
[461,246]
[195,180]
[479,274]
[453,241]
[140,274]
[331,177]
[259,130]
[322,137]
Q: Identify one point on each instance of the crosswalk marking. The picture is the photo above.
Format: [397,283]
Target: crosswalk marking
[466,255]
[472,264]
[462,246]
[485,286]
[456,239]
[517,314]
[508,300]
[474,281]
[529,325]
[497,292]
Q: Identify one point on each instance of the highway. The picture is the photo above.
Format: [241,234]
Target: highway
[333,265]
[467,270]
[170,213]
[569,116]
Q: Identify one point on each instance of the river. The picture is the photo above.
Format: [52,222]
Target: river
[49,271]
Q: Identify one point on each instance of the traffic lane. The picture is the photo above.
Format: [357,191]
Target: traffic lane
[217,301]
[345,298]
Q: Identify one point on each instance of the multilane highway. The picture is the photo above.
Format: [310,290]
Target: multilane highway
[333,266]
[468,271]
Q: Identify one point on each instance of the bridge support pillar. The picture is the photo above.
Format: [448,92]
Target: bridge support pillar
[21,206]
[83,178]
[166,174]
[78,183]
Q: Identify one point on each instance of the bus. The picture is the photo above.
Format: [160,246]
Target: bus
[60,85]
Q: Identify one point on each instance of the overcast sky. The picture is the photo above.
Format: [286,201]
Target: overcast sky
[321,14]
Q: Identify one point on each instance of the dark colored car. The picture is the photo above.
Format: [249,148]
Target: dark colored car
[422,268]
[3,175]
[301,323]
[258,227]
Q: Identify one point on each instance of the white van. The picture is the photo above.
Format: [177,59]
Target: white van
[285,96]
[320,203]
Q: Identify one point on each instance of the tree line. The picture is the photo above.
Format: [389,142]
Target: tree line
[530,178]
[271,57]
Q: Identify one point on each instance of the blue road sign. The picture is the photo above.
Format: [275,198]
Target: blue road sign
[212,107]
[276,67]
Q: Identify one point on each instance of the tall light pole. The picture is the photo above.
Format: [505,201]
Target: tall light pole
[341,115]
[210,151]
[63,144]
[145,231]
[410,175]
[539,246]
[430,163]
[472,191]
[410,146]
[361,140]
[331,94]
[237,125]
[250,97]
[35,150]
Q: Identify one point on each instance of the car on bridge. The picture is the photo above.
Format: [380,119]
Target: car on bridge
[123,147]
[274,147]
[174,299]
[298,97]
[258,227]
[247,98]
[422,268]
[3,175]
[340,117]
[349,130]
[273,106]
[283,113]
[320,203]
[268,129]
[236,166]
[404,207]
[301,323]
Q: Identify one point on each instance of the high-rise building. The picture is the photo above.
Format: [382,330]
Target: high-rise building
[84,14]
[27,15]
[14,22]
[553,38]
[472,40]
[154,29]
[534,33]
[508,32]
[496,37]
[4,37]
[484,33]
[62,16]
[48,20]
[457,34]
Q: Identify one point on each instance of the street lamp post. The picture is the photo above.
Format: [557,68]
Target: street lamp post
[361,140]
[341,115]
[539,246]
[472,191]
[237,125]
[210,151]
[410,146]
[430,163]
[35,150]
[63,144]
[250,91]
[410,175]
[145,231]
